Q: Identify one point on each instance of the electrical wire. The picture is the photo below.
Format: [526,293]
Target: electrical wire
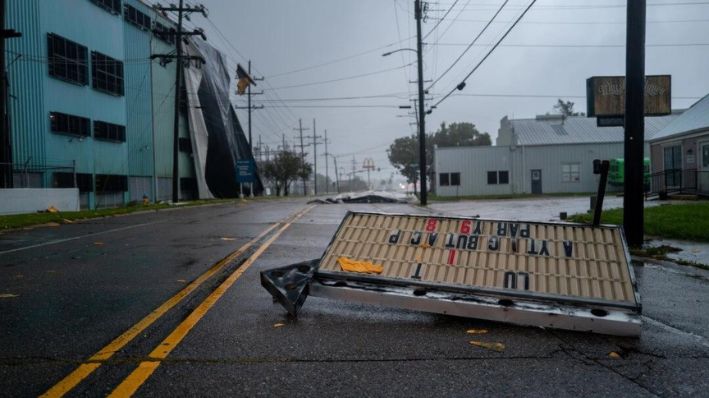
[440,20]
[469,45]
[462,83]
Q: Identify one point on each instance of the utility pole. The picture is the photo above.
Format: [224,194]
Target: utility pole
[327,174]
[633,206]
[5,135]
[315,156]
[421,113]
[337,175]
[369,166]
[302,153]
[179,57]
[248,99]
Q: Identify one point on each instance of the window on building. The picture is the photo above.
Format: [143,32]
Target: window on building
[185,145]
[111,183]
[67,60]
[107,73]
[491,177]
[109,131]
[112,6]
[570,172]
[164,33]
[498,177]
[137,18]
[66,180]
[455,179]
[444,179]
[63,123]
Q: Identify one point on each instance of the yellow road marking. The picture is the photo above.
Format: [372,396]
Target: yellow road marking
[95,361]
[146,368]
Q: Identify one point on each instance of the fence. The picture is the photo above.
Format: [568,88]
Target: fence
[680,181]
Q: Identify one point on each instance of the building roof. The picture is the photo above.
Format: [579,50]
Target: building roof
[694,119]
[554,130]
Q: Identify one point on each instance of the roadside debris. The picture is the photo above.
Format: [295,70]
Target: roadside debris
[476,331]
[279,325]
[365,197]
[8,295]
[614,355]
[499,347]
[366,267]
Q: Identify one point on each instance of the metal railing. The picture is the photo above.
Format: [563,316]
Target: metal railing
[680,181]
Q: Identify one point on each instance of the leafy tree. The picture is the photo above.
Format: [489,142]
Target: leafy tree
[285,168]
[404,152]
[566,108]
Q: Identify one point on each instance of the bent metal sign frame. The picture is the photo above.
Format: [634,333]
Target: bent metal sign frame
[563,275]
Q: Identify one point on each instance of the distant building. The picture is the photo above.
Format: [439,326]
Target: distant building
[544,155]
[88,105]
[680,152]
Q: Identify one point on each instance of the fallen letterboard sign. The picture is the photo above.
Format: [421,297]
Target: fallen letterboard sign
[558,275]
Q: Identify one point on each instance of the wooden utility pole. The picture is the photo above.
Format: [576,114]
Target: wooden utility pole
[179,63]
[302,154]
[249,106]
[421,114]
[327,174]
[633,201]
[315,157]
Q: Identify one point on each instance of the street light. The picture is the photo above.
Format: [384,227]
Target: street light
[421,113]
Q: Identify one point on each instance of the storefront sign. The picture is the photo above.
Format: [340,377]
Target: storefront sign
[605,96]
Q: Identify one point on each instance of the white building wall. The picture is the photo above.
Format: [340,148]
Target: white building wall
[473,163]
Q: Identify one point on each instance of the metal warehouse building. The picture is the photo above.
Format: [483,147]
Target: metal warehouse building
[547,154]
[88,106]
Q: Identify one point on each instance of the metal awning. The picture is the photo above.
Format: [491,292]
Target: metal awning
[561,275]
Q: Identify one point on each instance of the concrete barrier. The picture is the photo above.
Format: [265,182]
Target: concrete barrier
[30,200]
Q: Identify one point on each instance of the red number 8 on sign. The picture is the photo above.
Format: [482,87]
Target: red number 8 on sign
[431,224]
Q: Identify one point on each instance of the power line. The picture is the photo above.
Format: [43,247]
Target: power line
[461,85]
[469,45]
[579,45]
[440,20]
[344,78]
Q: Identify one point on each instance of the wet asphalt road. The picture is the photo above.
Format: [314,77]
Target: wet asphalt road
[68,291]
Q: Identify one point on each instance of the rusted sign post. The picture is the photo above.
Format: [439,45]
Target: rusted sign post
[559,275]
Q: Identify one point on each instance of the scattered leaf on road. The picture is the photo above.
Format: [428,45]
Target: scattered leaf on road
[499,347]
[66,221]
[476,331]
[181,280]
[7,295]
[98,243]
[279,325]
[614,355]
[228,239]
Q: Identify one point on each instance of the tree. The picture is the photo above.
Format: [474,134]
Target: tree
[404,152]
[566,108]
[284,169]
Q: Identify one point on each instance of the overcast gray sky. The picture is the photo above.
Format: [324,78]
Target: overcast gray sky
[301,46]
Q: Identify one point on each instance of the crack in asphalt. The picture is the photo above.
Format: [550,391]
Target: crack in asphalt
[573,353]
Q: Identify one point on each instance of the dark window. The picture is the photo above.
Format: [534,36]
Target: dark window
[67,60]
[164,33]
[66,180]
[444,179]
[492,177]
[185,145]
[107,73]
[455,179]
[503,177]
[111,183]
[69,124]
[109,131]
[137,18]
[112,6]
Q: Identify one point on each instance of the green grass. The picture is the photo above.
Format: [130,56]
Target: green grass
[673,221]
[26,220]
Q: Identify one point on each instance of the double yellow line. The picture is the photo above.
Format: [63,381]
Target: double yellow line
[131,384]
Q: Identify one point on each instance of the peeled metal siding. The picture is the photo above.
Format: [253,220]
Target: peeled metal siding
[138,92]
[598,268]
[26,84]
